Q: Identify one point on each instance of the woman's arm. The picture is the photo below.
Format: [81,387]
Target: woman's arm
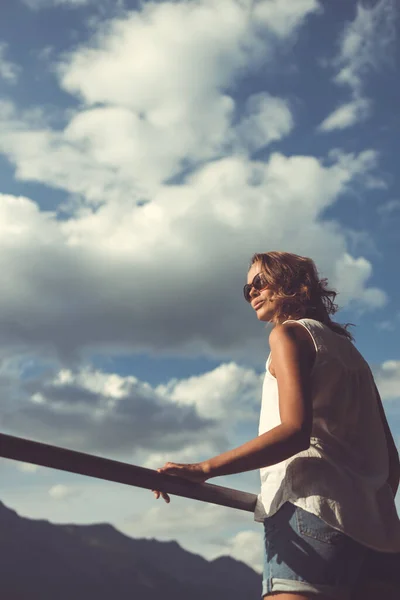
[293,359]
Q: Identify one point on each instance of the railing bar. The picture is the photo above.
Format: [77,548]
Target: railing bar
[63,459]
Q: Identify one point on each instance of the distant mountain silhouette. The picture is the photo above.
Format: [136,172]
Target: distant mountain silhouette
[42,561]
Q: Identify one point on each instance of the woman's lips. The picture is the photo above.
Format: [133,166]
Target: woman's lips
[257,306]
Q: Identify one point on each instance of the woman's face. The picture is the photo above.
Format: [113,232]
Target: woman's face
[261,301]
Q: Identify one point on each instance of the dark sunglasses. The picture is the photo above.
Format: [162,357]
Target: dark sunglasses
[259,283]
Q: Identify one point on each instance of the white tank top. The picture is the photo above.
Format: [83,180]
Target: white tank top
[342,476]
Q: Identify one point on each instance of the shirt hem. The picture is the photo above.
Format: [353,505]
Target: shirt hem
[260,514]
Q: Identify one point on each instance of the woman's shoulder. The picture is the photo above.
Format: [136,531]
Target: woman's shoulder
[292,328]
[292,331]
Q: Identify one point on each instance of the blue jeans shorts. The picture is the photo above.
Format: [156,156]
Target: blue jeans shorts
[305,555]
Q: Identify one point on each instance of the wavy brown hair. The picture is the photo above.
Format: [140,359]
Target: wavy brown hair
[298,291]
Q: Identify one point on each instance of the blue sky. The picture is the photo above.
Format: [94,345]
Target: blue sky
[146,151]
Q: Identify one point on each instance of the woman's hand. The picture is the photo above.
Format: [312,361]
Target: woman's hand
[195,472]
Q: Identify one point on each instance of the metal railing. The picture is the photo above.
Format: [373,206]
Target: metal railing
[64,459]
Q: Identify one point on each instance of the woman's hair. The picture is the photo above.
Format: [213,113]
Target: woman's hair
[298,290]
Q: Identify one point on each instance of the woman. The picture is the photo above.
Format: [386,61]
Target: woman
[329,466]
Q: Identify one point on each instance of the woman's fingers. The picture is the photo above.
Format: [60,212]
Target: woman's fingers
[164,495]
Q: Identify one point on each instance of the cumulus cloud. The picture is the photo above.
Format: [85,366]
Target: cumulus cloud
[365,45]
[156,86]
[166,202]
[147,60]
[228,392]
[153,277]
[354,287]
[108,414]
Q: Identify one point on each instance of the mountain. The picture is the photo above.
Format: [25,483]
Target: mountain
[43,561]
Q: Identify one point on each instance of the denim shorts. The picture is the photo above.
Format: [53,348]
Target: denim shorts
[305,555]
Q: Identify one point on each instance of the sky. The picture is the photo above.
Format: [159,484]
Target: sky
[147,150]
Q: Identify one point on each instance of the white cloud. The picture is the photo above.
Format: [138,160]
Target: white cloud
[63,492]
[156,85]
[354,287]
[147,60]
[9,71]
[365,45]
[157,107]
[74,284]
[27,467]
[186,420]
[228,392]
[100,412]
[265,120]
[387,378]
[347,114]
[366,42]
[283,16]
[246,546]
[162,77]
[108,154]
[170,522]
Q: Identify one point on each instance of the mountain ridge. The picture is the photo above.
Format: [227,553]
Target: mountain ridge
[43,560]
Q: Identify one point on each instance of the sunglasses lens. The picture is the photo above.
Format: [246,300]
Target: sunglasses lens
[258,283]
[246,292]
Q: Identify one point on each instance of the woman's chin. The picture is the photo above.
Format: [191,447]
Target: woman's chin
[263,315]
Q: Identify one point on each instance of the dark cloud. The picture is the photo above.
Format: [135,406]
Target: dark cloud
[74,416]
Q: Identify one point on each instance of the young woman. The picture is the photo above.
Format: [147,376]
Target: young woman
[329,466]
